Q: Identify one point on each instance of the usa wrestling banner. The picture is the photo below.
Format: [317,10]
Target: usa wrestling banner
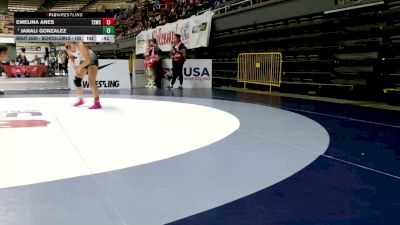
[197,73]
[195,33]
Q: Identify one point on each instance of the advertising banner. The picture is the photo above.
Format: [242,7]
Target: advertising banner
[34,49]
[113,74]
[195,33]
[197,73]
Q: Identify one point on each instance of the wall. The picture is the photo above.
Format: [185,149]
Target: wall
[104,47]
[3,6]
[12,51]
[124,44]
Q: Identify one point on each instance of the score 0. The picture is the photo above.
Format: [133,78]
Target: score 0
[108,21]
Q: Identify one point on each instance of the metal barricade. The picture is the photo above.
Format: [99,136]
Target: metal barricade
[260,68]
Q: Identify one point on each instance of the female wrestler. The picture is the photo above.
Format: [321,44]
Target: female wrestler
[88,64]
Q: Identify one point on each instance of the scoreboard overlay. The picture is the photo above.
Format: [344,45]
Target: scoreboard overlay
[64,27]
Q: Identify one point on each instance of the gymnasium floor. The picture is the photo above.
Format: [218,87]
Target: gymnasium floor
[196,157]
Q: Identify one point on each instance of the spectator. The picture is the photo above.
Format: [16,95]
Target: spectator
[3,56]
[65,60]
[134,24]
[157,13]
[52,61]
[36,60]
[7,61]
[158,18]
[21,60]
[22,54]
[59,62]
[183,15]
[24,61]
[164,20]
[153,23]
[134,8]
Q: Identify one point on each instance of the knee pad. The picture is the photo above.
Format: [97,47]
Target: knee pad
[78,82]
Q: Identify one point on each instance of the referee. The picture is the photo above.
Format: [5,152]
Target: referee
[3,56]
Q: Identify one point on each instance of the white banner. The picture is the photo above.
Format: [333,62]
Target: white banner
[195,33]
[34,49]
[113,74]
[197,73]
[31,51]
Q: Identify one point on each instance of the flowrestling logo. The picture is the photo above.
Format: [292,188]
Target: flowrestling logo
[22,119]
[102,84]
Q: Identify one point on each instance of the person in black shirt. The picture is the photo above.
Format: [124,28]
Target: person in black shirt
[24,61]
[3,56]
[65,60]
[178,55]
[21,55]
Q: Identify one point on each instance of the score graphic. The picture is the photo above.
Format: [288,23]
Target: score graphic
[64,27]
[108,22]
[108,30]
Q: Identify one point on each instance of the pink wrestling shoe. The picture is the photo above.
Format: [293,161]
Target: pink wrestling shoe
[79,103]
[96,105]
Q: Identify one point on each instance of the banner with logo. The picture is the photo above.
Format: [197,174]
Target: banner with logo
[113,74]
[197,73]
[195,32]
[34,49]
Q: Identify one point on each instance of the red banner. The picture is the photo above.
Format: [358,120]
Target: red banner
[36,71]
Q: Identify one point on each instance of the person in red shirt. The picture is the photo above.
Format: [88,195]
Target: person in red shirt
[152,60]
[3,56]
[178,55]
